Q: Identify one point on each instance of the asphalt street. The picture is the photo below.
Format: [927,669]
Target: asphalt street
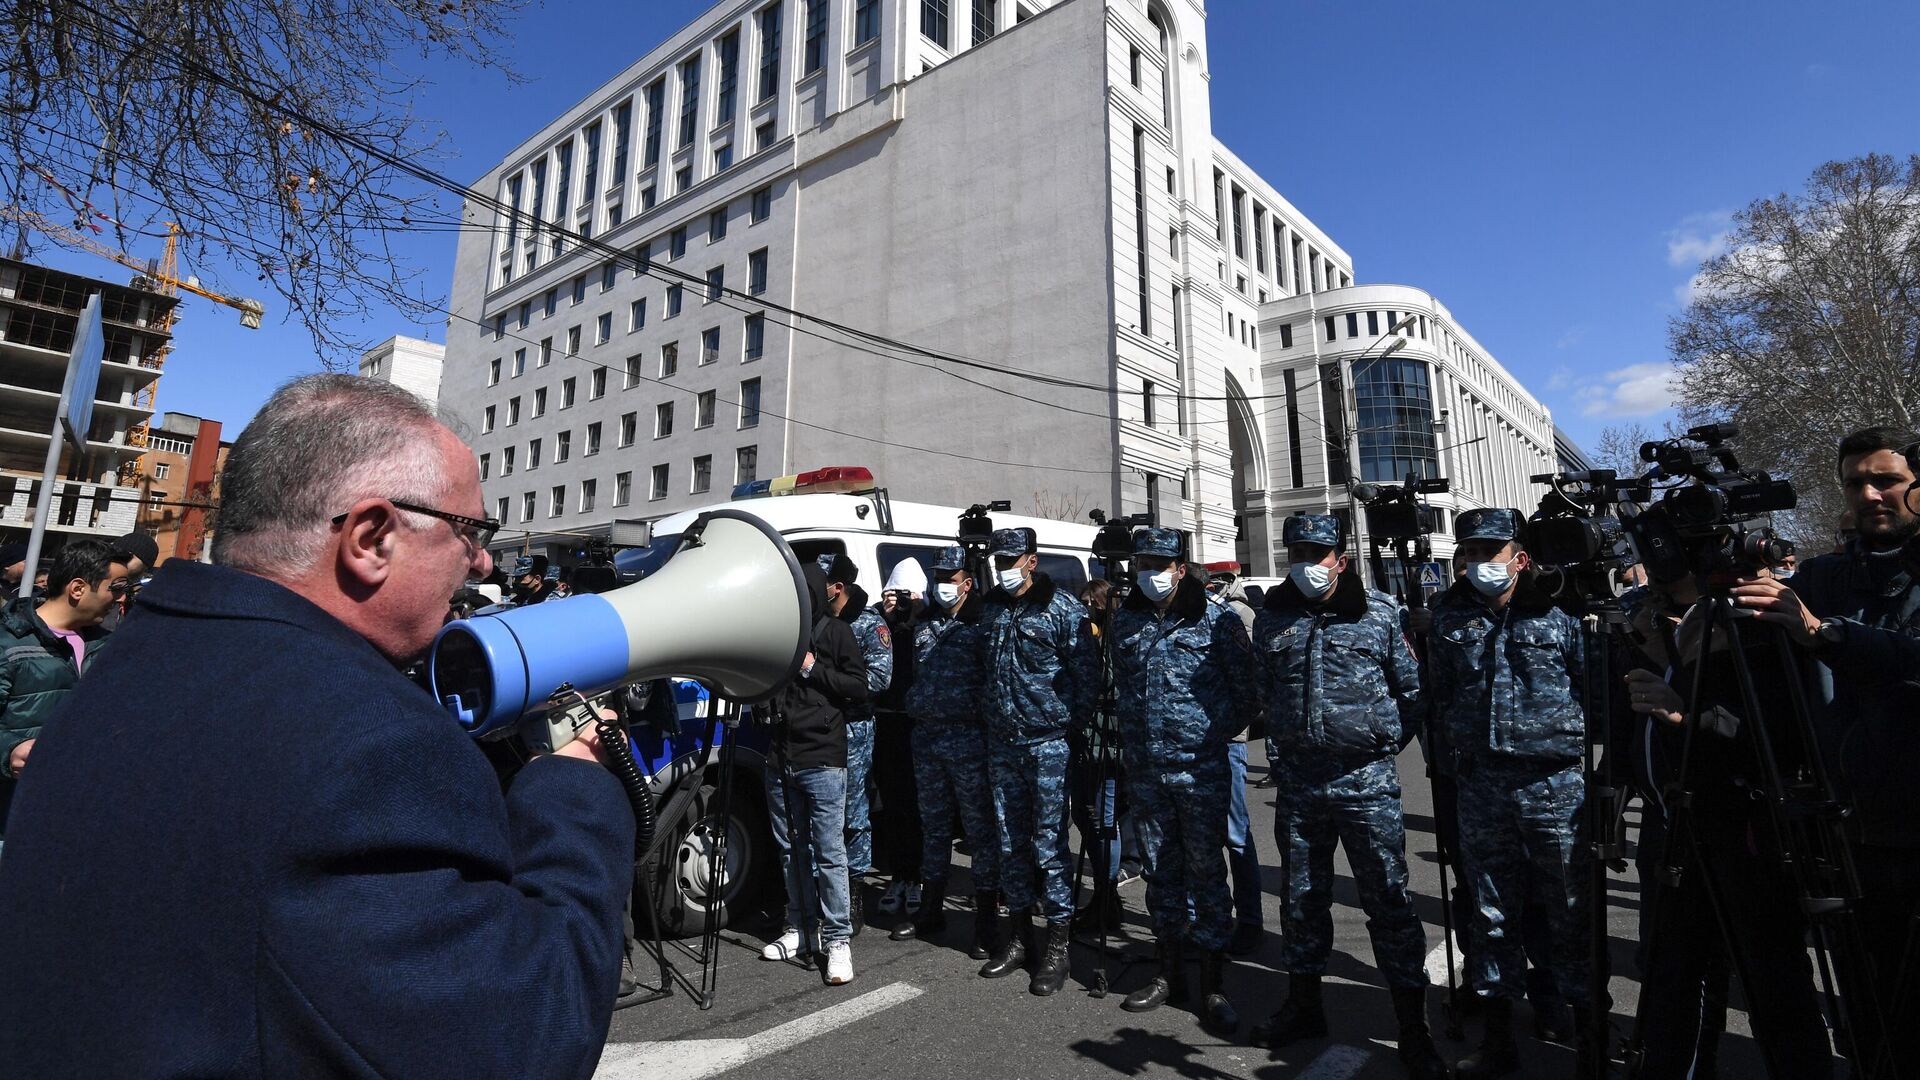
[918,1008]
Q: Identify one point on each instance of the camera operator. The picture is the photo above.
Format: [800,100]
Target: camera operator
[1344,693]
[1505,670]
[1729,855]
[1036,661]
[896,833]
[1858,610]
[249,846]
[950,752]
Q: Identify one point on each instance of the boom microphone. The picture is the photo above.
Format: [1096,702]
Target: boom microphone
[728,608]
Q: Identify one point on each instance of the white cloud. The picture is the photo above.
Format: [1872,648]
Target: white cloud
[1574,336]
[1699,237]
[1634,390]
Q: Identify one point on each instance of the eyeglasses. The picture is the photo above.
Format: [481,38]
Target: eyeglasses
[120,588]
[477,530]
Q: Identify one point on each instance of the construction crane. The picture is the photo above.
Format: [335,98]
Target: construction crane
[165,279]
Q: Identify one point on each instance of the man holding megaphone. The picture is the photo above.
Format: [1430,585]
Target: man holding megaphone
[249,846]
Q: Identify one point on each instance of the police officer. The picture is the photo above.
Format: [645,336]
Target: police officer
[1505,670]
[848,603]
[530,580]
[1034,658]
[950,751]
[1184,687]
[1343,691]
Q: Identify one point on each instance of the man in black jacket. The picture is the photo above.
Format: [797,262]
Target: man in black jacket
[807,787]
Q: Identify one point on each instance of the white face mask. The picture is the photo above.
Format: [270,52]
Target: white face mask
[1311,579]
[946,593]
[1010,580]
[1155,585]
[1491,578]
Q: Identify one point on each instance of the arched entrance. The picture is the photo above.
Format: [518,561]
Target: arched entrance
[1253,543]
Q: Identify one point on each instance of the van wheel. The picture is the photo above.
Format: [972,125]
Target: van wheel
[685,882]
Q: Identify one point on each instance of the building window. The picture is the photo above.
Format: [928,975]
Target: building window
[933,21]
[526,507]
[1353,324]
[663,420]
[689,100]
[755,335]
[716,283]
[986,16]
[1153,496]
[633,373]
[723,158]
[1145,295]
[550,303]
[702,473]
[526,314]
[540,402]
[593,439]
[703,409]
[682,179]
[762,205]
[648,197]
[1146,403]
[1373,323]
[519,362]
[603,328]
[636,314]
[709,345]
[763,136]
[717,226]
[1286,335]
[677,242]
[557,500]
[622,488]
[1239,223]
[546,351]
[769,51]
[866,21]
[622,136]
[563,156]
[1331,335]
[659,482]
[493,372]
[566,393]
[513,411]
[746,465]
[579,289]
[669,359]
[562,446]
[573,341]
[816,40]
[486,463]
[506,461]
[1394,408]
[590,178]
[501,506]
[629,429]
[656,108]
[1260,238]
[597,387]
[675,296]
[729,55]
[1133,65]
[533,454]
[750,403]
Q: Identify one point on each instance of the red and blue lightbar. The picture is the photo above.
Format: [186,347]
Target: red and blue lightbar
[834,478]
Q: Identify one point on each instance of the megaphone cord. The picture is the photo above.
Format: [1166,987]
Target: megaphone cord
[613,740]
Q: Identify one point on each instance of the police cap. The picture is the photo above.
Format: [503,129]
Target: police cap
[1156,541]
[952,557]
[1321,529]
[1014,542]
[1489,523]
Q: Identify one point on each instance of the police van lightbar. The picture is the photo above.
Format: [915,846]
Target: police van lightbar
[834,478]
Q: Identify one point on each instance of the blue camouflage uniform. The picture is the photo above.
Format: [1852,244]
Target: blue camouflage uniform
[1505,687]
[1033,657]
[1184,686]
[876,645]
[1343,691]
[949,735]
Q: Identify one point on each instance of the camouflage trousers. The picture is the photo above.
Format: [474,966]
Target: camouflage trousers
[1522,827]
[1324,801]
[859,822]
[1030,807]
[950,772]
[1181,817]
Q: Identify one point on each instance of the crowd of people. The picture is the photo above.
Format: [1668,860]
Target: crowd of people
[327,878]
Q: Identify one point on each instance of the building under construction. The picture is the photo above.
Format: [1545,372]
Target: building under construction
[97,493]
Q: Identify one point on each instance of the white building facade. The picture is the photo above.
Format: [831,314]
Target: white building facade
[1435,405]
[413,364]
[1055,270]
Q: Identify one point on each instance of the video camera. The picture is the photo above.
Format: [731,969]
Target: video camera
[1394,511]
[975,534]
[1113,544]
[1702,528]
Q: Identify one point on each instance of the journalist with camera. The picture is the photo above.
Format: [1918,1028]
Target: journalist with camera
[248,846]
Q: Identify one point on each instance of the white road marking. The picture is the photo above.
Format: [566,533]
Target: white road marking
[692,1059]
[1437,963]
[1338,1063]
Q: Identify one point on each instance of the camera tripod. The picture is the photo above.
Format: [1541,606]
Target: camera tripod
[1804,819]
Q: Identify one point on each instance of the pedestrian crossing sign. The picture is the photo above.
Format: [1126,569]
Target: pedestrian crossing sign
[1431,575]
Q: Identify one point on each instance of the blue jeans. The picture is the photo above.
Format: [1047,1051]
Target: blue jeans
[1243,860]
[819,798]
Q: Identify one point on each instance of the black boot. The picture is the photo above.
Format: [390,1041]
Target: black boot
[1217,1015]
[1423,1062]
[1160,990]
[986,918]
[1299,1017]
[1497,1055]
[856,905]
[930,919]
[1052,972]
[1013,947]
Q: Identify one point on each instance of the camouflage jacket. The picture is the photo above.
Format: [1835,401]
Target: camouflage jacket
[1339,676]
[870,629]
[947,675]
[1507,683]
[1184,680]
[1034,659]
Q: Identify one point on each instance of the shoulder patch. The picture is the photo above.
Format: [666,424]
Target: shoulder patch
[885,635]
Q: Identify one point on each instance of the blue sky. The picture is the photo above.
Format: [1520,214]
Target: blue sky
[1552,172]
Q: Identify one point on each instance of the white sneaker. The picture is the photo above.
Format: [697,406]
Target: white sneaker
[784,947]
[839,964]
[890,900]
[912,902]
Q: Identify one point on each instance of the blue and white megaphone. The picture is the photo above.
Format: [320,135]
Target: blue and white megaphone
[729,608]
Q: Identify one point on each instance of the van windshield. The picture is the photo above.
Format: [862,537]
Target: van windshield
[642,562]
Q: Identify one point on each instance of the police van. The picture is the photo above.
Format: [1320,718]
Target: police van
[832,511]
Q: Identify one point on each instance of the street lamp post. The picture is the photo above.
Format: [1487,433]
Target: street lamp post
[1350,409]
